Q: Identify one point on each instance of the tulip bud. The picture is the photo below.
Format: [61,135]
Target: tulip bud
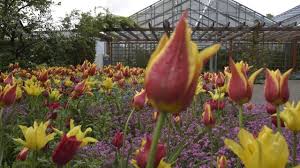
[249,106]
[172,72]
[65,150]
[92,70]
[220,80]
[126,72]
[85,74]
[118,76]
[207,116]
[274,121]
[8,96]
[271,109]
[221,162]
[140,159]
[23,154]
[9,79]
[276,87]
[139,100]
[43,76]
[121,83]
[240,87]
[118,140]
[80,87]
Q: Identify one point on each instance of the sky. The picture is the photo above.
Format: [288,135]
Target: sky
[129,7]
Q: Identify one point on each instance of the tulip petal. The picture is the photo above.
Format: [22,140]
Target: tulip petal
[208,52]
[253,77]
[20,141]
[167,75]
[163,41]
[284,88]
[271,88]
[238,84]
[245,138]
[235,147]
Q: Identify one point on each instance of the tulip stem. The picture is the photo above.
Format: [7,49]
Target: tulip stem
[241,124]
[294,148]
[278,119]
[211,147]
[155,137]
[1,137]
[125,131]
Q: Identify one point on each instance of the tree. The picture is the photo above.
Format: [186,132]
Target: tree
[270,16]
[20,19]
[90,25]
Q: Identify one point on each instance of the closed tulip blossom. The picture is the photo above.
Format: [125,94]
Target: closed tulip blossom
[208,118]
[276,87]
[268,150]
[141,155]
[172,72]
[9,95]
[9,79]
[117,140]
[271,109]
[65,150]
[240,86]
[70,143]
[139,100]
[22,154]
[222,162]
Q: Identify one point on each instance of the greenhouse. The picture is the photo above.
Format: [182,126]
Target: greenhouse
[243,32]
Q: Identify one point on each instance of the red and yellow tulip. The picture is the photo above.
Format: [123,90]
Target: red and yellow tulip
[276,87]
[141,155]
[173,69]
[207,116]
[240,87]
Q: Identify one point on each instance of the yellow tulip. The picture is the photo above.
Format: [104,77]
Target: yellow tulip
[217,95]
[199,88]
[107,84]
[268,150]
[18,92]
[80,136]
[68,82]
[54,95]
[291,116]
[56,81]
[35,137]
[33,89]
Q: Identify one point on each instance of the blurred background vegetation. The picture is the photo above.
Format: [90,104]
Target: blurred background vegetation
[28,34]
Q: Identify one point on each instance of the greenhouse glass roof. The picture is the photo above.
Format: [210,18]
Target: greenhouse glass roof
[203,12]
[290,16]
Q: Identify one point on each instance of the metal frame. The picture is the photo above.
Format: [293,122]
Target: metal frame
[223,21]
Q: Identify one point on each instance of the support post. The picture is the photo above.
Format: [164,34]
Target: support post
[294,53]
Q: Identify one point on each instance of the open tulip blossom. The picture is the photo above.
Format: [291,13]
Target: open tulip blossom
[268,150]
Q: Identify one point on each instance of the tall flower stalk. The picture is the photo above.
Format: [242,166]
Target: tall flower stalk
[1,137]
[156,135]
[172,74]
[276,90]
